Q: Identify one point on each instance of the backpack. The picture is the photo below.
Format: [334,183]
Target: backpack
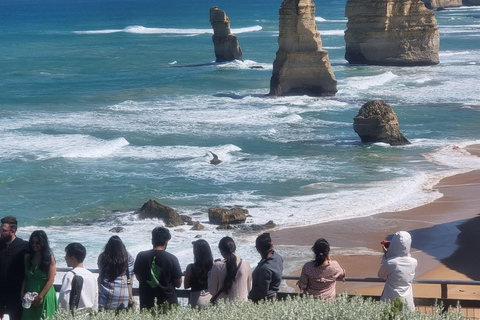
[77,285]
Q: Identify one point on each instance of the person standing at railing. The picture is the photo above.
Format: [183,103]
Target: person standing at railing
[267,276]
[79,298]
[158,272]
[114,263]
[40,271]
[319,276]
[398,269]
[230,278]
[196,274]
[12,268]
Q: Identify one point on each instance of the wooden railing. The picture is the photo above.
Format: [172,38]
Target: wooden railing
[474,304]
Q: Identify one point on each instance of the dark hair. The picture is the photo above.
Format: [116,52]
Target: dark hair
[160,236]
[45,252]
[321,248]
[12,221]
[203,259]
[113,260]
[227,247]
[76,250]
[263,243]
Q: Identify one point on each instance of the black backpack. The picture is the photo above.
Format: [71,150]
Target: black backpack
[77,285]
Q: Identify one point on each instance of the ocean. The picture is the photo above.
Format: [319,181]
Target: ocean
[106,104]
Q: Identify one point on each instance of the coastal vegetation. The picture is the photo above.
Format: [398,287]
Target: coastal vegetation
[344,308]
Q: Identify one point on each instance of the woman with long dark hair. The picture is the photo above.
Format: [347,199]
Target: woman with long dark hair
[40,271]
[196,274]
[319,276]
[230,278]
[113,264]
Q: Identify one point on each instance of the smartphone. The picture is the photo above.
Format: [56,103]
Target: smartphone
[385,243]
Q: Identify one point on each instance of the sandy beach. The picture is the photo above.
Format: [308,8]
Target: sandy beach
[444,237]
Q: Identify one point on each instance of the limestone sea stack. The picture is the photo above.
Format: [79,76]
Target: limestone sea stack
[391,32]
[225,43]
[301,66]
[377,122]
[440,4]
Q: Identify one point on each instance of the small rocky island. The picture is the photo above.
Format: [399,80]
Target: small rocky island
[301,66]
[391,32]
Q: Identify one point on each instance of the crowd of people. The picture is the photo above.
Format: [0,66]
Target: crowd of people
[28,269]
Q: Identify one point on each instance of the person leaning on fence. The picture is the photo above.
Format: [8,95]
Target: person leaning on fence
[398,269]
[230,278]
[79,290]
[267,276]
[196,274]
[12,268]
[319,276]
[115,266]
[158,272]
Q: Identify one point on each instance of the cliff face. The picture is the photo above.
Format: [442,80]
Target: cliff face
[225,43]
[301,66]
[436,4]
[391,32]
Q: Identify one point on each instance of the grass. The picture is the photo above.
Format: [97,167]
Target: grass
[345,308]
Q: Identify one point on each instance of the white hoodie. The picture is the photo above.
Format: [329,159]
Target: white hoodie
[398,269]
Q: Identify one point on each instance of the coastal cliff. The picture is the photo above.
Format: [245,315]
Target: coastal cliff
[391,32]
[225,43]
[301,66]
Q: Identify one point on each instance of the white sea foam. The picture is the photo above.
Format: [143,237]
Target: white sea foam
[320,19]
[175,31]
[245,64]
[340,32]
[366,82]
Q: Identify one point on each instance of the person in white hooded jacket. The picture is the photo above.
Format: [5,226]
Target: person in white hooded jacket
[398,269]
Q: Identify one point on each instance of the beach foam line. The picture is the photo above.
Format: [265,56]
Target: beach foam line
[176,31]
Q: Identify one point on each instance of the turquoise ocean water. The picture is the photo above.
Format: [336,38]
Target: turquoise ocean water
[106,104]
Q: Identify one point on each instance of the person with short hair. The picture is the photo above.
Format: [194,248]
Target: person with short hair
[12,268]
[231,278]
[40,271]
[319,276]
[267,276]
[158,272]
[75,254]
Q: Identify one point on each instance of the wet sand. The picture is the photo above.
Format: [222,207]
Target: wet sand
[445,239]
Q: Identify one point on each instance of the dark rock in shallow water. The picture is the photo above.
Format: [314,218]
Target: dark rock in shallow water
[186,219]
[215,159]
[376,122]
[197,226]
[117,229]
[153,209]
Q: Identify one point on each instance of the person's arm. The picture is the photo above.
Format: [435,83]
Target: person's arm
[383,271]
[264,280]
[64,295]
[302,283]
[24,282]
[52,271]
[188,275]
[177,280]
[213,280]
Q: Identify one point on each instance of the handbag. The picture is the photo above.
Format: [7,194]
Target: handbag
[213,300]
[132,303]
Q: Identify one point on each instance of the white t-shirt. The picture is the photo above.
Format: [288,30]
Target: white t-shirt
[89,295]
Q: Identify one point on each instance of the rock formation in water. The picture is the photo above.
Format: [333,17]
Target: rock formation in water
[226,216]
[376,122]
[153,209]
[301,66]
[225,43]
[391,32]
[440,4]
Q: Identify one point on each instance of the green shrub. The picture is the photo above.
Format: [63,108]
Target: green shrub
[302,308]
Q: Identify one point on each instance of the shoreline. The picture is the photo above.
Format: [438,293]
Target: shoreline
[442,250]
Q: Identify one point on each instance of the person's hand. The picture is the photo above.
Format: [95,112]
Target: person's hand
[37,302]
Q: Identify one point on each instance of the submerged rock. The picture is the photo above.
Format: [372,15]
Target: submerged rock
[391,32]
[153,209]
[377,122]
[225,43]
[301,66]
